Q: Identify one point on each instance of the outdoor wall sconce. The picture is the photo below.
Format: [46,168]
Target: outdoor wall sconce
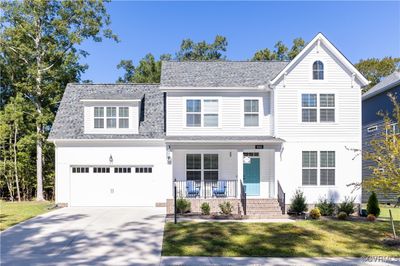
[111,159]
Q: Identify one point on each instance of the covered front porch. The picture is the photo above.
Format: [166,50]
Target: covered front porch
[224,168]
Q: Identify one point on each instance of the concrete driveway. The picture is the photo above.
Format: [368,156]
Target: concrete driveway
[89,236]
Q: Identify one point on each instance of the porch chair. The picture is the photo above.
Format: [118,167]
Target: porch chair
[192,190]
[220,189]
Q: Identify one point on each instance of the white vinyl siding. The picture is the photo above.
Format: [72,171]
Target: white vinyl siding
[230,114]
[337,81]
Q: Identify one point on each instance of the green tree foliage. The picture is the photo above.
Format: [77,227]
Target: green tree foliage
[373,205]
[39,56]
[281,51]
[385,155]
[149,69]
[375,69]
[298,204]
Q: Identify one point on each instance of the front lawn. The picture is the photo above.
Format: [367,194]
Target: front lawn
[300,239]
[385,213]
[12,213]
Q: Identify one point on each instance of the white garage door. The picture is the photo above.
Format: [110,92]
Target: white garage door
[112,186]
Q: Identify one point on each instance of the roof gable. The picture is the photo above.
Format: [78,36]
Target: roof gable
[317,40]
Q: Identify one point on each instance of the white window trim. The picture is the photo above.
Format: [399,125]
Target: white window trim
[202,113]
[201,170]
[117,117]
[312,71]
[318,170]
[318,93]
[242,112]
[392,128]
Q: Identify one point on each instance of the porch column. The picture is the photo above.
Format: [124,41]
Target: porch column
[239,170]
[277,174]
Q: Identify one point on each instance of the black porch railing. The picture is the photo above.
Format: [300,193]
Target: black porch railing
[206,189]
[243,197]
[281,198]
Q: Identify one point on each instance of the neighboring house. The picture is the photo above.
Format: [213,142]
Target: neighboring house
[218,129]
[374,101]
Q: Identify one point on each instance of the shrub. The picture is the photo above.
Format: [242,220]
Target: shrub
[371,218]
[342,216]
[347,206]
[298,204]
[373,205]
[226,208]
[205,208]
[183,205]
[327,208]
[315,214]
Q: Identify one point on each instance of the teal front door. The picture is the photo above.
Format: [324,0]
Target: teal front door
[251,177]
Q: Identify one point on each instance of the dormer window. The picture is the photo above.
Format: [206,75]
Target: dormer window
[112,119]
[318,70]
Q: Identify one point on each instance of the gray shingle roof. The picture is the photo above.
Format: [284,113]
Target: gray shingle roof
[219,73]
[239,139]
[386,84]
[69,119]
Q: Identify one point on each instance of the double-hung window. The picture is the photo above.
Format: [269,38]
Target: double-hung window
[309,107]
[327,168]
[210,113]
[327,107]
[111,117]
[123,121]
[310,168]
[193,167]
[210,166]
[251,113]
[202,166]
[202,113]
[99,117]
[193,113]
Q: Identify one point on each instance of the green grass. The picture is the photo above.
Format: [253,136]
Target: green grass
[385,212]
[12,213]
[299,239]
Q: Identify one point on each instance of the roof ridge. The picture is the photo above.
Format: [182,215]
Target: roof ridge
[227,61]
[113,84]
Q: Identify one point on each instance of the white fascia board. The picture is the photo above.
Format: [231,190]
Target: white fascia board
[110,100]
[223,142]
[91,141]
[214,89]
[332,49]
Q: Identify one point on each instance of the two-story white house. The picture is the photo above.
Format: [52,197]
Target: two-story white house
[217,131]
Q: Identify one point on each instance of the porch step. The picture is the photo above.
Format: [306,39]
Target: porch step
[263,208]
[263,216]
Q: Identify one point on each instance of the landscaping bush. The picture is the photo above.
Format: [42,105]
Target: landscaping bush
[342,216]
[226,208]
[327,208]
[315,214]
[347,206]
[371,218]
[183,205]
[298,204]
[373,205]
[205,208]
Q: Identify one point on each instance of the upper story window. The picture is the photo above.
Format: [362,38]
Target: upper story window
[309,107]
[202,113]
[318,70]
[251,113]
[327,107]
[112,118]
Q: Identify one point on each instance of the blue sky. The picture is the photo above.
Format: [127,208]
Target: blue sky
[358,29]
